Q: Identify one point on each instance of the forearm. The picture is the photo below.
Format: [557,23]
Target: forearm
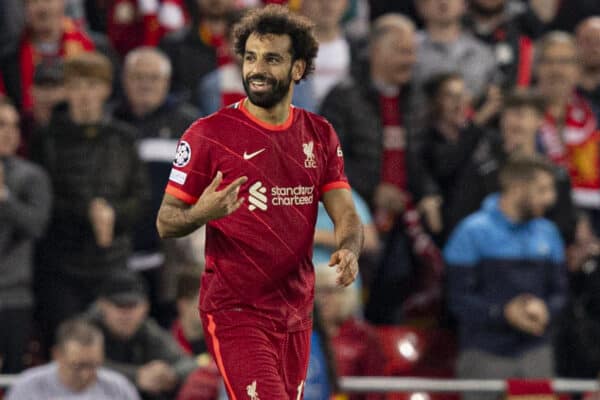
[176,222]
[349,233]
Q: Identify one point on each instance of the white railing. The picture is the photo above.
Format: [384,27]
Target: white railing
[354,384]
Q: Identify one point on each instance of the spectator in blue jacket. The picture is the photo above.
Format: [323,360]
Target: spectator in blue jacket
[507,278]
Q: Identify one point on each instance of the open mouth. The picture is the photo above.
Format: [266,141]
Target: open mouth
[260,85]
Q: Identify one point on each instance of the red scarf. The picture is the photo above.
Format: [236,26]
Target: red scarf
[128,28]
[427,297]
[72,42]
[218,42]
[576,148]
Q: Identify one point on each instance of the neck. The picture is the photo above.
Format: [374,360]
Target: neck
[191,330]
[383,85]
[485,24]
[85,118]
[508,207]
[444,33]
[448,130]
[275,115]
[51,35]
[326,34]
[524,149]
[590,78]
[65,382]
[141,111]
[558,107]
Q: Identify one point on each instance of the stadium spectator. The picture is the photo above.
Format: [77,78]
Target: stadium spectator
[76,372]
[521,117]
[135,345]
[321,377]
[158,119]
[588,42]
[334,58]
[445,46]
[204,383]
[509,28]
[100,190]
[569,133]
[48,34]
[507,278]
[438,155]
[378,133]
[12,20]
[48,91]
[25,201]
[355,346]
[187,329]
[374,146]
[201,47]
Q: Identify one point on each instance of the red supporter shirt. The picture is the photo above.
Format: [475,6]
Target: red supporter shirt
[258,259]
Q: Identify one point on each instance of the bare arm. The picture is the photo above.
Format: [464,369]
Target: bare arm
[349,235]
[177,218]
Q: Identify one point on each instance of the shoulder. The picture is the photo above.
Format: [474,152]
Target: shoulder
[187,111]
[34,377]
[175,37]
[476,223]
[210,125]
[110,377]
[546,227]
[122,130]
[28,169]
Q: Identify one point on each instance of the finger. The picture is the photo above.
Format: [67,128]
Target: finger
[235,185]
[236,205]
[334,259]
[215,182]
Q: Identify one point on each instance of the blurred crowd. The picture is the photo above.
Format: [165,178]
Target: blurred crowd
[470,135]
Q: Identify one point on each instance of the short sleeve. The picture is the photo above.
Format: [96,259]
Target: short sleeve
[192,169]
[334,176]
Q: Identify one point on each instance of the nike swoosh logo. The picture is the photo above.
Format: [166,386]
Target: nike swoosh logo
[252,155]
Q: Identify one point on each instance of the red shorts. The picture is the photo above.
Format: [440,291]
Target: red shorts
[257,363]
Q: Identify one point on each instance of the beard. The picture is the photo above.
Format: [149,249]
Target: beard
[270,98]
[486,11]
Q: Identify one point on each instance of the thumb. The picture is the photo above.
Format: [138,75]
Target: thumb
[335,259]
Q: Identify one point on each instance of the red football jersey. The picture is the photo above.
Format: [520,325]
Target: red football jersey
[258,259]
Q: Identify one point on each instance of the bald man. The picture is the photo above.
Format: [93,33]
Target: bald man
[159,119]
[588,42]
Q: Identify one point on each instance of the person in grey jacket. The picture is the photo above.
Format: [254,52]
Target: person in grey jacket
[24,209]
[135,345]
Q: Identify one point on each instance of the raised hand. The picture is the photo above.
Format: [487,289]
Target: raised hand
[214,204]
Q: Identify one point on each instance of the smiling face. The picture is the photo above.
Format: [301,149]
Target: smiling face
[269,69]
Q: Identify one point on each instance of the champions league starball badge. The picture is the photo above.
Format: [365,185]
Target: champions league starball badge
[183,154]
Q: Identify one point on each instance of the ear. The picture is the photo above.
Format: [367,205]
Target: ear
[298,69]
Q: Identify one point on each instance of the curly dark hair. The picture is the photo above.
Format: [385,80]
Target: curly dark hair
[278,20]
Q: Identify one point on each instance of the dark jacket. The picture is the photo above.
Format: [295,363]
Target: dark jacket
[149,343]
[87,162]
[435,166]
[158,134]
[191,59]
[490,261]
[353,110]
[23,217]
[479,178]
